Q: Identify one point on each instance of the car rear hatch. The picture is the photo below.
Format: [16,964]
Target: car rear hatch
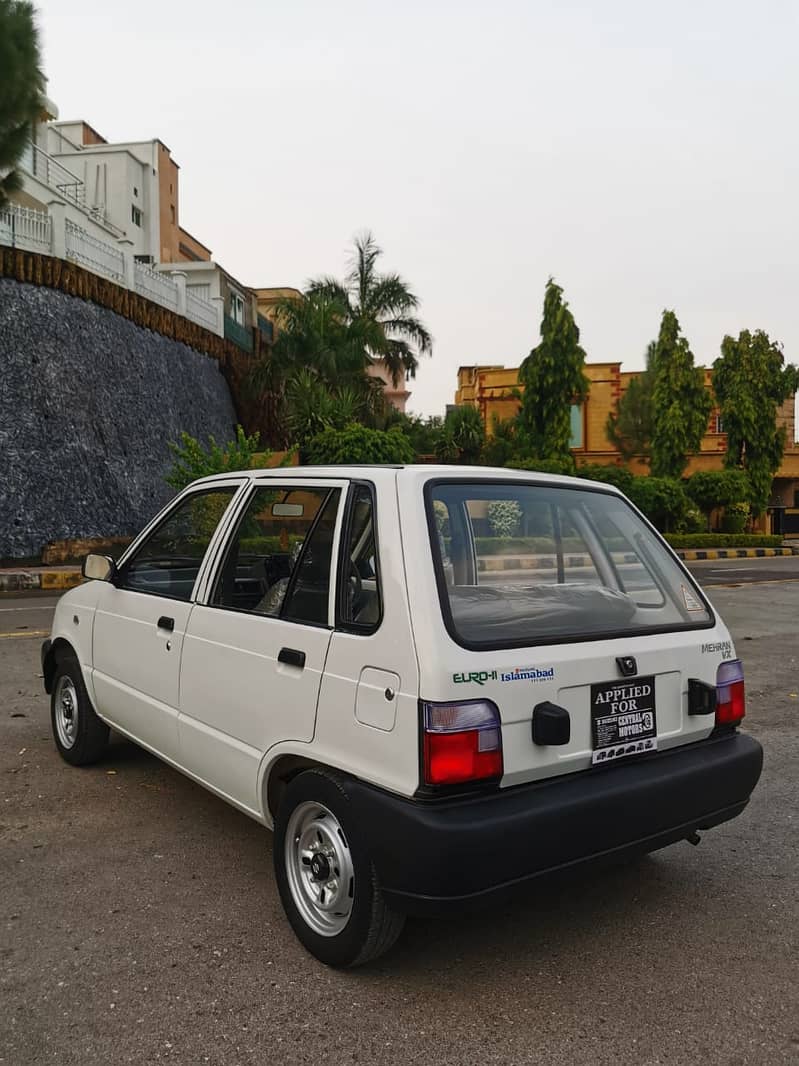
[568,614]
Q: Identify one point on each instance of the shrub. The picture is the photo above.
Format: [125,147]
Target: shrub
[468,432]
[525,545]
[610,475]
[446,450]
[356,444]
[736,515]
[694,521]
[722,540]
[662,499]
[504,517]
[546,466]
[193,460]
[711,489]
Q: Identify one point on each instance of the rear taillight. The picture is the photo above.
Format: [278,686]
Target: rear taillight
[730,697]
[462,742]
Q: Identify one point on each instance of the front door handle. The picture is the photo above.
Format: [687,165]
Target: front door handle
[291,657]
[166,623]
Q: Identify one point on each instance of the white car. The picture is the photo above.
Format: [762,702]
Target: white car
[434,683]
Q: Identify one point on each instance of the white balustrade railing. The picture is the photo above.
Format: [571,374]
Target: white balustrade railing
[23,227]
[94,254]
[156,286]
[55,234]
[203,312]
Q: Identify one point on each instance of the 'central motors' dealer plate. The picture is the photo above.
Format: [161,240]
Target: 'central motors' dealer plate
[623,718]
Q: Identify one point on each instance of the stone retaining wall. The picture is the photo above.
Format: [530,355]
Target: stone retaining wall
[88,403]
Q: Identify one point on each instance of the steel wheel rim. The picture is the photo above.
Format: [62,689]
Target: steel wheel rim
[66,711]
[319,868]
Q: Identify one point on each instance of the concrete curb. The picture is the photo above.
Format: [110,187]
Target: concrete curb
[697,554]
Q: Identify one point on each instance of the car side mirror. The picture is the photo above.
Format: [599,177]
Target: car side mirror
[99,568]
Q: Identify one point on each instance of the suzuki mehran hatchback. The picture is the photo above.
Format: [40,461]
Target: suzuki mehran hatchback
[434,683]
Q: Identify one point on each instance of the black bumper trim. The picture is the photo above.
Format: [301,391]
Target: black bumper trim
[434,856]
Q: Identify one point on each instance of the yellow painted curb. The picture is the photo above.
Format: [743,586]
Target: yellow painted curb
[61,579]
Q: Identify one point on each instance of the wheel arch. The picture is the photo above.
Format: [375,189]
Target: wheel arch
[58,649]
[279,774]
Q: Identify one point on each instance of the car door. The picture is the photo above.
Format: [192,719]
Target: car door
[255,649]
[141,619]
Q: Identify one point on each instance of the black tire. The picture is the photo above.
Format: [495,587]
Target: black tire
[372,927]
[86,739]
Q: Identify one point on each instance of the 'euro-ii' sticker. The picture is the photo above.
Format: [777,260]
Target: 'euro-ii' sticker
[475,677]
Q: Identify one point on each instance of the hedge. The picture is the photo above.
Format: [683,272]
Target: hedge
[538,545]
[722,540]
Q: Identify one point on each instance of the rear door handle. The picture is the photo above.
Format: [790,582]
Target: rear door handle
[166,623]
[292,657]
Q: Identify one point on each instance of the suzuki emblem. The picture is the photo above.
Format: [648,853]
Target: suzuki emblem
[627,665]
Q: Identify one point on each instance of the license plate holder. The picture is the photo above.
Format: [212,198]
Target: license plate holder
[623,719]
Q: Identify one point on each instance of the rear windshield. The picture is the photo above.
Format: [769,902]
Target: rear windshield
[521,564]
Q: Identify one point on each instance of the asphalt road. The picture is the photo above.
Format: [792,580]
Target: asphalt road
[141,924]
[745,571]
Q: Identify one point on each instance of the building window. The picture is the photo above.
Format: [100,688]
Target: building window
[172,213]
[718,424]
[237,308]
[576,426]
[135,191]
[135,215]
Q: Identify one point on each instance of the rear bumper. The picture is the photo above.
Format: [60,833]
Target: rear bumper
[431,856]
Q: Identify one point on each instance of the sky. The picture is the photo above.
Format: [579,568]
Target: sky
[645,155]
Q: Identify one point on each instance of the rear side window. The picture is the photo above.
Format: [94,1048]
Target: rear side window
[521,564]
[360,604]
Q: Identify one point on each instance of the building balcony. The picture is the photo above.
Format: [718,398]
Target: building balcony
[48,171]
[240,335]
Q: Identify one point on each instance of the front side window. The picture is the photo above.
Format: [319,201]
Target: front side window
[279,559]
[168,561]
[521,564]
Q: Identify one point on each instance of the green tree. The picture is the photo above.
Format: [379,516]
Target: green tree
[379,311]
[681,403]
[359,444]
[193,460]
[21,88]
[468,432]
[553,380]
[631,428]
[751,380]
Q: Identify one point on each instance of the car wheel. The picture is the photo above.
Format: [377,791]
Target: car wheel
[80,736]
[325,876]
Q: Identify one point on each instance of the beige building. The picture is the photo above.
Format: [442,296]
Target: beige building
[494,390]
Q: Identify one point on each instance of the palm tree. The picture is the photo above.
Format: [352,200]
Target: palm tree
[315,376]
[379,309]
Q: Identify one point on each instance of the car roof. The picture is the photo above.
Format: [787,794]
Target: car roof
[418,472]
